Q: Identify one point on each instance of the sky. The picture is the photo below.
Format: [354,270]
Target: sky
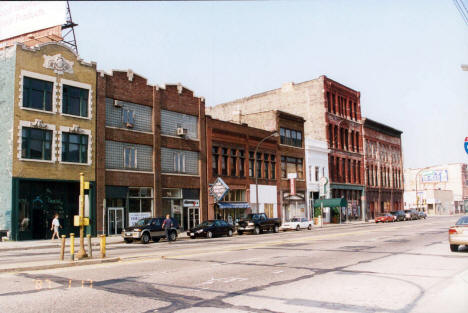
[403,56]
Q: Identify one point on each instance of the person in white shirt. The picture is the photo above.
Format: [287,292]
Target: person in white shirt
[55,226]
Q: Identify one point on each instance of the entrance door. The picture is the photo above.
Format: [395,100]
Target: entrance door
[115,221]
[193,218]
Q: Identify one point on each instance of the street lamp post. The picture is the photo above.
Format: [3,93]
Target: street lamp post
[275,134]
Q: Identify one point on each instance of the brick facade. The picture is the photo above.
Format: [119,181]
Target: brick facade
[384,168]
[135,93]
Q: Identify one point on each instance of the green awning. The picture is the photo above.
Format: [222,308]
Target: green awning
[331,203]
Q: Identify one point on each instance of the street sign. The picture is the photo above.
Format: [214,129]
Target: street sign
[219,189]
[466,145]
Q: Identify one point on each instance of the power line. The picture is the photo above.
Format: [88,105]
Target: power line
[462,9]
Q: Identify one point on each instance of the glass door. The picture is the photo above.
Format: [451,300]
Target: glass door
[193,218]
[115,221]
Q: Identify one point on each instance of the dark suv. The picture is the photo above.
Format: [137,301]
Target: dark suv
[399,215]
[411,215]
[148,229]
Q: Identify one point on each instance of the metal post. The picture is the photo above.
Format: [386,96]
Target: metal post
[90,249]
[72,246]
[82,253]
[275,134]
[103,246]
[321,214]
[62,248]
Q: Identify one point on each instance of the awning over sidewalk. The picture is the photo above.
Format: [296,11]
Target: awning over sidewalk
[233,205]
[331,203]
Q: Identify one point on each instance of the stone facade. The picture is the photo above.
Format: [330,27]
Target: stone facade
[384,168]
[41,186]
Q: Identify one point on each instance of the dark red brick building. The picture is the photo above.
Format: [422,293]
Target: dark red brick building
[231,156]
[384,168]
[344,136]
[150,152]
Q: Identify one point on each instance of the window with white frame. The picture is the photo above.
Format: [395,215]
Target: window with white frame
[130,157]
[179,162]
[128,118]
[37,94]
[75,101]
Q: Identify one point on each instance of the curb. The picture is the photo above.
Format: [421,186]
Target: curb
[59,265]
[97,244]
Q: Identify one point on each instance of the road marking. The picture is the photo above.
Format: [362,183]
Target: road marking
[277,272]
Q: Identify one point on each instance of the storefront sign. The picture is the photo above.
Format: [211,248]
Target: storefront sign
[219,189]
[134,217]
[191,203]
[435,176]
[323,186]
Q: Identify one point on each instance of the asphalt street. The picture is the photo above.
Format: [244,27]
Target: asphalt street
[395,267]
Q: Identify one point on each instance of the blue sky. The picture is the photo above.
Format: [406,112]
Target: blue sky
[403,56]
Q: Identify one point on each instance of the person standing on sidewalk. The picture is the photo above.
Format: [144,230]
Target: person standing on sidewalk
[167,225]
[55,226]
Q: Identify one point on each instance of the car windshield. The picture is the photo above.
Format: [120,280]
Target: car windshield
[143,222]
[206,224]
[254,216]
[462,221]
[294,219]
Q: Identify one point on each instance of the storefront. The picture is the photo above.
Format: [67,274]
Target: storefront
[332,209]
[183,205]
[294,205]
[35,203]
[231,212]
[126,205]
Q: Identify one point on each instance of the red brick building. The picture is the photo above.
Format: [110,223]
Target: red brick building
[230,155]
[150,152]
[384,168]
[344,137]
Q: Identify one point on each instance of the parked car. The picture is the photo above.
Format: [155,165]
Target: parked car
[296,223]
[458,234]
[211,229]
[398,215]
[384,218]
[411,215]
[422,214]
[256,223]
[148,229]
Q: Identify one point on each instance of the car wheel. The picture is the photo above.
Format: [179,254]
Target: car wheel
[240,232]
[145,238]
[309,227]
[192,237]
[128,240]
[209,234]
[454,248]
[276,229]
[257,230]
[298,228]
[229,234]
[173,236]
[156,239]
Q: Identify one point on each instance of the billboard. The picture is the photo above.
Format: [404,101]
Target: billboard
[21,17]
[436,176]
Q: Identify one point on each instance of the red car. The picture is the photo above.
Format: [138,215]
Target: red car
[387,217]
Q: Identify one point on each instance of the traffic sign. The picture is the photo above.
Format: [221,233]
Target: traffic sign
[466,145]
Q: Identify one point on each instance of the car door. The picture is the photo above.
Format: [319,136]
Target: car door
[217,228]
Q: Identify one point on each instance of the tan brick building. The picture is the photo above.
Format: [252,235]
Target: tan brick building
[48,101]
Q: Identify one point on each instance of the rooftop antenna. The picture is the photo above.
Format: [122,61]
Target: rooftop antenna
[69,38]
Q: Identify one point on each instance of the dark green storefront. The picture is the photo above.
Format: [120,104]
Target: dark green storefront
[36,201]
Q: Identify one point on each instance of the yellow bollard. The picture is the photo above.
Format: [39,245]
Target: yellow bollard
[90,248]
[62,248]
[103,246]
[72,246]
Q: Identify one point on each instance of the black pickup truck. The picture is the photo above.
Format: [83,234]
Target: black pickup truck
[256,223]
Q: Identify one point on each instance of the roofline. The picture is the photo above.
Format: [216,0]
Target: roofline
[367,122]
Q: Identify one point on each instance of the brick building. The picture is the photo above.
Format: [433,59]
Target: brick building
[384,168]
[291,155]
[332,129]
[231,156]
[150,152]
[48,137]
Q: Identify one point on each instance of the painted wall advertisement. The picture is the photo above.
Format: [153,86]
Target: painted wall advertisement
[134,217]
[435,176]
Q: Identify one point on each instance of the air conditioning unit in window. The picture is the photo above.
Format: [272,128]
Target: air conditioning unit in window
[181,131]
[118,104]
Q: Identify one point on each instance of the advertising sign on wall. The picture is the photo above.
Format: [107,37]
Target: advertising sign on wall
[436,176]
[134,217]
[21,17]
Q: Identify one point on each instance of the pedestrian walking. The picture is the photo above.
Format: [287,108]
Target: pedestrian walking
[167,225]
[55,226]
